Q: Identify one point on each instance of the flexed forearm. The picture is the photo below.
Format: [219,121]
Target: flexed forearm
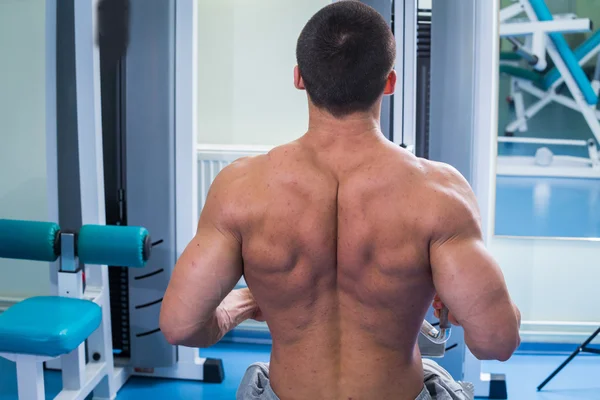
[237,307]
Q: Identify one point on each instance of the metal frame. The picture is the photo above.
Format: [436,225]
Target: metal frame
[150,188]
[405,99]
[535,31]
[536,41]
[162,35]
[543,27]
[511,11]
[485,125]
[51,126]
[30,375]
[384,7]
[186,159]
[582,348]
[91,170]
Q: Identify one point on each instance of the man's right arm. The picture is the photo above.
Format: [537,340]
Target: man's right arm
[466,277]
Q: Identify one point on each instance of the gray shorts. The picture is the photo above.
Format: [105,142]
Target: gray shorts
[439,385]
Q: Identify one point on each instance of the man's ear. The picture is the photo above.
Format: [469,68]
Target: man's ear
[298,81]
[390,84]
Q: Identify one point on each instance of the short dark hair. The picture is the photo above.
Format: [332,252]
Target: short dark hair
[345,54]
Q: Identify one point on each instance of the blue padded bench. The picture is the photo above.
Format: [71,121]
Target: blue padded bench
[48,326]
[45,328]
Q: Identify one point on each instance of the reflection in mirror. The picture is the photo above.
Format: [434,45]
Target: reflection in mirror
[548,167]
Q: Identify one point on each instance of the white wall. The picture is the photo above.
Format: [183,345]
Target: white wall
[555,285]
[246,58]
[22,134]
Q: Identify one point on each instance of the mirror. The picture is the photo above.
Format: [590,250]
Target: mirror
[548,167]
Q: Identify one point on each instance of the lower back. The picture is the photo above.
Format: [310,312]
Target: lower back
[351,368]
[330,343]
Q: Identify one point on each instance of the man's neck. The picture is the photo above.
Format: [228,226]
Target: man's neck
[357,127]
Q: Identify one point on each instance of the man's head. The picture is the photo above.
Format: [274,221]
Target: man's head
[346,54]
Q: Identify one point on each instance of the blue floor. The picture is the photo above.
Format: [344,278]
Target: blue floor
[546,207]
[578,381]
[236,358]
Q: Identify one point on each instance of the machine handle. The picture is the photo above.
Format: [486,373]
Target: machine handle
[435,335]
[525,54]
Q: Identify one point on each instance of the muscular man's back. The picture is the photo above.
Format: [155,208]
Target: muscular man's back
[335,244]
[342,237]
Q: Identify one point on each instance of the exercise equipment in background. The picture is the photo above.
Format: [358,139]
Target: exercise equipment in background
[543,35]
[43,328]
[127,160]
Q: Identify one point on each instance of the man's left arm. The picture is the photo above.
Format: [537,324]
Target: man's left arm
[199,306]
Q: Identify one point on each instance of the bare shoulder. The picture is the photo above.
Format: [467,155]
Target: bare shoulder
[229,190]
[446,180]
[456,211]
[233,175]
[247,173]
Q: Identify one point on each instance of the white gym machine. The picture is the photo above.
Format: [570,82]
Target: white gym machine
[81,200]
[531,19]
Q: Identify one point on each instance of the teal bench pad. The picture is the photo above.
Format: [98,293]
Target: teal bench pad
[28,240]
[48,326]
[522,73]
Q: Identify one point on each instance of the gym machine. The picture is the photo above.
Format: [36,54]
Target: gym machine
[102,174]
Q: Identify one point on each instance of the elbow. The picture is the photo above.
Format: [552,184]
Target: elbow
[173,335]
[499,345]
[504,354]
[500,352]
[506,350]
[173,332]
[177,334]
[172,338]
[510,340]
